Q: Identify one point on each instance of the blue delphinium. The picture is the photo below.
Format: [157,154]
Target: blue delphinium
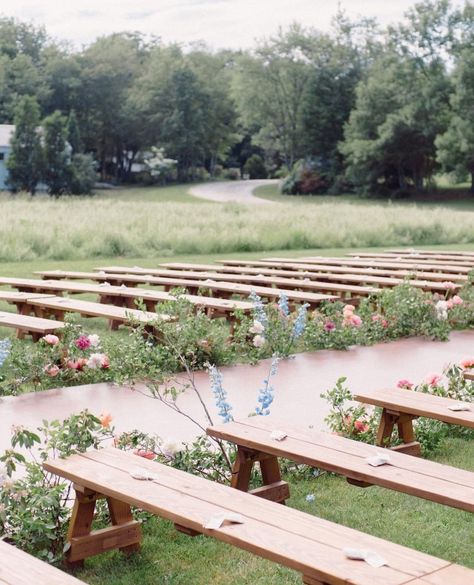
[5,345]
[258,308]
[300,322]
[265,394]
[283,305]
[220,395]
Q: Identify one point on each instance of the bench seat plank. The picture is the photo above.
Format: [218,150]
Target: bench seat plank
[29,324]
[433,481]
[417,403]
[20,568]
[305,543]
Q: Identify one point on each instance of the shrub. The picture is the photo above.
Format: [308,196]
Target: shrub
[83,174]
[232,174]
[255,167]
[305,179]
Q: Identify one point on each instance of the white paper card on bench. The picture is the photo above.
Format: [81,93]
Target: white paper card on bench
[278,435]
[142,474]
[459,406]
[369,556]
[218,520]
[379,459]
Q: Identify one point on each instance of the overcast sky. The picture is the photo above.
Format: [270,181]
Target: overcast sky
[220,23]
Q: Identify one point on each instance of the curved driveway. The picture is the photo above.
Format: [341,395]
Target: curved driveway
[232,191]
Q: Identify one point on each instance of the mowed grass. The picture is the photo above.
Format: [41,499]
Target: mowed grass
[168,557]
[164,222]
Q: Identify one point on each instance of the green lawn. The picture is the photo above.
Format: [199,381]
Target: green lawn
[171,558]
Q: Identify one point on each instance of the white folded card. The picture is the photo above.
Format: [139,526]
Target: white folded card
[369,556]
[218,520]
[459,406]
[278,435]
[142,474]
[379,459]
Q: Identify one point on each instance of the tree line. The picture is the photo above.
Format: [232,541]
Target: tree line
[361,107]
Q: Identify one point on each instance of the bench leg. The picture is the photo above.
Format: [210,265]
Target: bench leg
[124,534]
[273,487]
[406,433]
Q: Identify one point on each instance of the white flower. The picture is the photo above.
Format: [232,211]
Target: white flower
[259,341]
[170,447]
[96,360]
[94,340]
[257,327]
[442,310]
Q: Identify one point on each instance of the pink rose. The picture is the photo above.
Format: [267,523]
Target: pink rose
[348,310]
[51,370]
[457,300]
[449,285]
[405,384]
[82,342]
[360,426]
[355,321]
[329,326]
[433,379]
[51,339]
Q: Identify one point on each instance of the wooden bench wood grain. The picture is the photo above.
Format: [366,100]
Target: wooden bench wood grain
[305,543]
[407,474]
[20,568]
[400,407]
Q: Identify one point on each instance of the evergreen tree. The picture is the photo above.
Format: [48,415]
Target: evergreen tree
[74,133]
[25,163]
[57,153]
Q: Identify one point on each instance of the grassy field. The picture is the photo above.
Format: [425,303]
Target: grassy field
[157,223]
[170,558]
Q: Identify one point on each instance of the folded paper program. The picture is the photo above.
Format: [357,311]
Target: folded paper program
[142,474]
[459,406]
[278,435]
[218,520]
[369,556]
[379,459]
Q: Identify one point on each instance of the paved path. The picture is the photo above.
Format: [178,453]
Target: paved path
[232,191]
[298,385]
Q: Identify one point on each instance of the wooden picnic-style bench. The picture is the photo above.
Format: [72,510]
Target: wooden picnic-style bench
[461,260]
[269,280]
[401,407]
[121,296]
[299,271]
[27,325]
[380,263]
[404,473]
[305,543]
[59,306]
[435,253]
[20,568]
[225,289]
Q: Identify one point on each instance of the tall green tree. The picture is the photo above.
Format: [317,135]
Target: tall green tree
[456,145]
[25,163]
[74,133]
[57,154]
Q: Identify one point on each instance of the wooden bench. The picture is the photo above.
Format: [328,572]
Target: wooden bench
[26,325]
[435,253]
[407,474]
[401,407]
[378,263]
[59,306]
[305,543]
[224,289]
[121,296]
[463,261]
[20,568]
[311,271]
[268,280]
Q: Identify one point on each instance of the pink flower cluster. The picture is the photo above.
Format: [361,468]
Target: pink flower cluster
[349,318]
[83,342]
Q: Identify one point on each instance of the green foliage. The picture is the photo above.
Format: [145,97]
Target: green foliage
[35,508]
[255,167]
[56,152]
[82,174]
[305,178]
[25,163]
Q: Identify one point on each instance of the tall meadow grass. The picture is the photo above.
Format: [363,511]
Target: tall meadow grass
[79,228]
